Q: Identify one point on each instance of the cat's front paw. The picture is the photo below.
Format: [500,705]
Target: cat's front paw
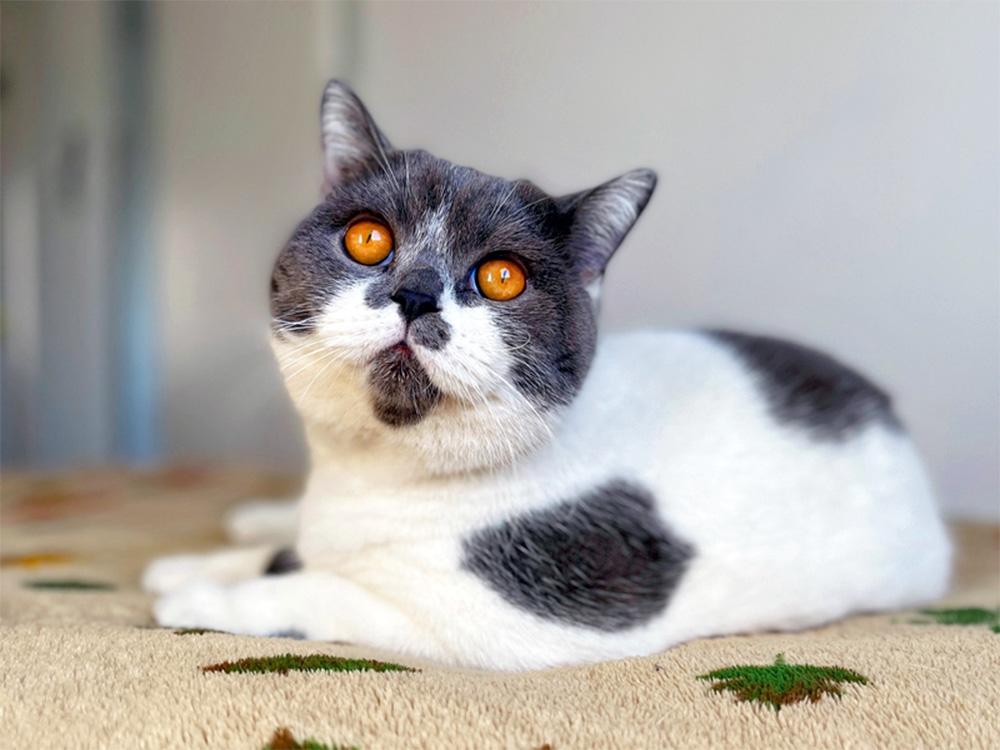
[202,605]
[263,521]
[166,574]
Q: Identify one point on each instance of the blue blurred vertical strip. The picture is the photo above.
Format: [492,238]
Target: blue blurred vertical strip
[134,322]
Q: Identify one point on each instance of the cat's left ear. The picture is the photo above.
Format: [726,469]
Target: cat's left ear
[602,216]
[352,142]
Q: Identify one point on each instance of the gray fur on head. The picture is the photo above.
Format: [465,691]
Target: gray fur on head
[447,219]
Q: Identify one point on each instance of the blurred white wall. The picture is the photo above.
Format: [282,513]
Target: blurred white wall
[57,154]
[828,172]
[238,154]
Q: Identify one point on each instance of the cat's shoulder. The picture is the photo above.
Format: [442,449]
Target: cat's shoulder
[655,343]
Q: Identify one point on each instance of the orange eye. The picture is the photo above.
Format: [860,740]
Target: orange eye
[500,279]
[368,242]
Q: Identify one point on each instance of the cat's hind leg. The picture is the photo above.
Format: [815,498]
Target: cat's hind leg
[167,574]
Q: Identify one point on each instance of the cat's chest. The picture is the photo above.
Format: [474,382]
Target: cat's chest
[338,526]
[641,421]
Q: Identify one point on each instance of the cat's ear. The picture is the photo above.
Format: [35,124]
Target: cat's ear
[352,141]
[602,216]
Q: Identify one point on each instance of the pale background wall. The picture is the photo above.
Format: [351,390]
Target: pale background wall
[57,242]
[828,171]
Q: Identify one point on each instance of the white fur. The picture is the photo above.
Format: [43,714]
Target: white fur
[788,532]
[173,573]
[258,521]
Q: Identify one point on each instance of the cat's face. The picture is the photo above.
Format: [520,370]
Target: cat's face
[438,308]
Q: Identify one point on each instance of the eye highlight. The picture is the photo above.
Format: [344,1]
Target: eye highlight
[500,279]
[368,242]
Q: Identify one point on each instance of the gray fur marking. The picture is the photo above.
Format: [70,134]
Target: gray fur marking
[604,561]
[809,389]
[431,331]
[285,560]
[291,633]
[401,392]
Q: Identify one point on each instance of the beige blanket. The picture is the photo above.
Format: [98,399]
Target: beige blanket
[85,668]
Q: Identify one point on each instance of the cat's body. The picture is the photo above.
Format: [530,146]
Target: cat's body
[514,513]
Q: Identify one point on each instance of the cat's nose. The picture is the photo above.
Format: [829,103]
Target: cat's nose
[413,304]
[418,294]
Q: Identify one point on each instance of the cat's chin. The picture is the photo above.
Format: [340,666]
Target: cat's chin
[453,438]
[390,410]
[460,438]
[401,392]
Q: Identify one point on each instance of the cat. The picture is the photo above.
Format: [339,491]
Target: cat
[493,486]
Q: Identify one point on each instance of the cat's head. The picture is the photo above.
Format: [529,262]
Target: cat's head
[436,308]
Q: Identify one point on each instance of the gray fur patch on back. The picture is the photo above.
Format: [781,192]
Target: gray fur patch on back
[809,389]
[604,561]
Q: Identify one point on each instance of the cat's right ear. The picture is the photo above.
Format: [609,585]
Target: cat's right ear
[352,142]
[602,216]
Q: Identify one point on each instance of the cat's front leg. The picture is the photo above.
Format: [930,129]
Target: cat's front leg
[307,604]
[174,572]
[263,521]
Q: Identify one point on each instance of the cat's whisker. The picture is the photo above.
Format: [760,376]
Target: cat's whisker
[522,212]
[331,354]
[406,177]
[498,206]
[523,345]
[330,361]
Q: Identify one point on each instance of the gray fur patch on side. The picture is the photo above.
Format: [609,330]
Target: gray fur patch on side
[604,561]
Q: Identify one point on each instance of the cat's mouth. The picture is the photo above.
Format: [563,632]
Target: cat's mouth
[401,391]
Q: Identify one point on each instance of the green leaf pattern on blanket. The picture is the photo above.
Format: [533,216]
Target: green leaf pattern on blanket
[284,663]
[961,616]
[780,684]
[283,739]
[69,584]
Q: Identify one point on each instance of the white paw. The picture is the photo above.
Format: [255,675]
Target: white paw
[272,521]
[167,574]
[203,605]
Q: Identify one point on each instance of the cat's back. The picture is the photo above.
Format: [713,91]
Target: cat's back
[751,421]
[763,453]
[669,377]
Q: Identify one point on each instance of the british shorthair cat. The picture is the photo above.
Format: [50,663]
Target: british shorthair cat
[495,485]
